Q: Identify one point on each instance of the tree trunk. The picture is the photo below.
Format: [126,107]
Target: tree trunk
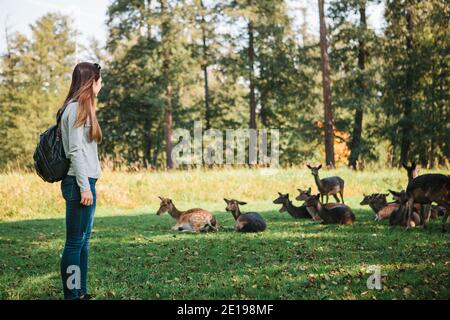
[205,70]
[148,144]
[407,103]
[355,144]
[165,30]
[328,111]
[251,59]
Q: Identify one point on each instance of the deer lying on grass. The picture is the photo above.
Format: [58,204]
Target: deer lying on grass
[328,186]
[399,217]
[341,214]
[378,203]
[192,220]
[286,205]
[245,222]
[426,189]
[298,212]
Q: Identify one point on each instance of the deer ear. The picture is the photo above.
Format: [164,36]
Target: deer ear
[309,190]
[320,166]
[241,203]
[364,195]
[226,200]
[393,192]
[308,166]
[161,198]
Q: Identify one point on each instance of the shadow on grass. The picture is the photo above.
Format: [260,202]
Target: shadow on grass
[139,256]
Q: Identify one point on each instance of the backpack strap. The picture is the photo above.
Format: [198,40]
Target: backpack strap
[59,117]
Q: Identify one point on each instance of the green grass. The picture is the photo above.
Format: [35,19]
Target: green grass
[135,255]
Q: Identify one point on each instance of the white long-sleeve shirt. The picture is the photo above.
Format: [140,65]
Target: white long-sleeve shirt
[83,155]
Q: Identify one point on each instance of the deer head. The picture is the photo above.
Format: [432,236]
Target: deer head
[314,170]
[399,197]
[303,194]
[412,170]
[312,201]
[166,205]
[367,199]
[233,206]
[282,199]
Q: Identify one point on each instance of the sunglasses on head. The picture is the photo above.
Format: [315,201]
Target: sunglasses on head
[97,66]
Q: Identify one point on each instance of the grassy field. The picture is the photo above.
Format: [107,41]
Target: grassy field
[135,255]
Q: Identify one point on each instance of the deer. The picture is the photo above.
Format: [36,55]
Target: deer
[294,211]
[341,214]
[428,188]
[303,194]
[328,186]
[245,222]
[192,220]
[433,212]
[378,203]
[287,206]
[412,173]
[399,217]
[430,211]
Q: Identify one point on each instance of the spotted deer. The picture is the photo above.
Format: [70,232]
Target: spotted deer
[245,222]
[341,214]
[428,188]
[328,186]
[192,220]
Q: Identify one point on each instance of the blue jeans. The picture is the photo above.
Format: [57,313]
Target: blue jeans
[79,222]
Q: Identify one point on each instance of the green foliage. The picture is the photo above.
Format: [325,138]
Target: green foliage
[35,75]
[401,91]
[418,74]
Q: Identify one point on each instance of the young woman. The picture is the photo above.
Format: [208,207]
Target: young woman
[80,133]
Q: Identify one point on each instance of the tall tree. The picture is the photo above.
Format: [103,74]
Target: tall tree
[409,79]
[166,32]
[251,71]
[355,144]
[355,61]
[326,82]
[153,53]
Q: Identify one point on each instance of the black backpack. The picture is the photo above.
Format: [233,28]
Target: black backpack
[49,158]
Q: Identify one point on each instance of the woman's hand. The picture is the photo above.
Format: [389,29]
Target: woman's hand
[86,198]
